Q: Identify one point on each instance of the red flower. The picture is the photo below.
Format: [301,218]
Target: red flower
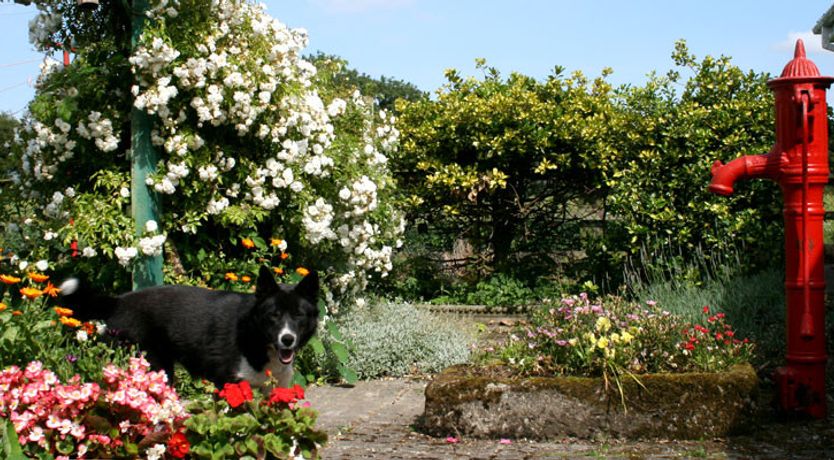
[236,393]
[178,445]
[706,309]
[286,395]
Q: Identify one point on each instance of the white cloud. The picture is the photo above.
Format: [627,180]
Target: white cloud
[813,43]
[359,6]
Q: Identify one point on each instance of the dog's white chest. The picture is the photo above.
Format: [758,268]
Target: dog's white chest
[282,373]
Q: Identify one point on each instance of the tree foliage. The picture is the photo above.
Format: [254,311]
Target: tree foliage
[528,170]
[507,164]
[345,80]
[670,132]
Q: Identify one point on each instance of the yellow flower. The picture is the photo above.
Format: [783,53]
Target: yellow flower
[71,322]
[572,341]
[246,278]
[602,343]
[247,243]
[61,311]
[302,271]
[231,276]
[9,279]
[615,337]
[31,293]
[275,242]
[627,337]
[3,306]
[603,324]
[278,270]
[38,277]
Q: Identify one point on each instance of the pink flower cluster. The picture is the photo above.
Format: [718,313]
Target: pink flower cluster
[46,412]
[140,391]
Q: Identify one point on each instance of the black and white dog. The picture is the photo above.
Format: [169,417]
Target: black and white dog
[221,336]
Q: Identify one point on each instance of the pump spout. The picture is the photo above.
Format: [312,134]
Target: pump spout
[724,176]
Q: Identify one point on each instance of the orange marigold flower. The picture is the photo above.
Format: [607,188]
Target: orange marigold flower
[246,278]
[61,311]
[284,256]
[302,271]
[31,293]
[51,290]
[247,243]
[9,279]
[3,306]
[231,276]
[37,277]
[278,270]
[17,313]
[71,322]
[275,242]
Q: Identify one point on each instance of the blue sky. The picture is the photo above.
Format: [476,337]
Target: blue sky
[416,40]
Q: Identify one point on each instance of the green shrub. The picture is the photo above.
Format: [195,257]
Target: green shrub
[394,339]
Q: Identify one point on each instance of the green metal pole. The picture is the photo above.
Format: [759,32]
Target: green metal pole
[144,202]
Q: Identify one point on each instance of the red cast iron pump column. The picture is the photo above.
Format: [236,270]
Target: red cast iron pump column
[799,163]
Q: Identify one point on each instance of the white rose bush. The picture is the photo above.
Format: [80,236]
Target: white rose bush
[252,144]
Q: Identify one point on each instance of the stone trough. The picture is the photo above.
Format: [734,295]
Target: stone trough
[488,402]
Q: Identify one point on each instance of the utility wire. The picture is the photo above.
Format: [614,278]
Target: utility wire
[12,87]
[13,64]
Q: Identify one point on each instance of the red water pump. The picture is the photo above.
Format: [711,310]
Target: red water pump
[798,162]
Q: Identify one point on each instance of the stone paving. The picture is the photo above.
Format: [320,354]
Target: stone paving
[373,420]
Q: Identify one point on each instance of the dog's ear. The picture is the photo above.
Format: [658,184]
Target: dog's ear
[266,282]
[308,288]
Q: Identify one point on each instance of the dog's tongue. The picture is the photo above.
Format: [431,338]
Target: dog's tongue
[286,356]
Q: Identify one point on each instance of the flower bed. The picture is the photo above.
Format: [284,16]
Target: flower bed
[580,368]
[489,402]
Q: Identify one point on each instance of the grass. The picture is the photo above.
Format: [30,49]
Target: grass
[754,303]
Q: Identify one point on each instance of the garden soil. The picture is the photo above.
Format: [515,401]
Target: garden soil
[375,420]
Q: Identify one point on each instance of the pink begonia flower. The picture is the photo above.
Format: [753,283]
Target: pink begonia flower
[452,440]
[505,441]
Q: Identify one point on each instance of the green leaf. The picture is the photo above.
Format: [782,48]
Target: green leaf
[317,346]
[348,374]
[9,335]
[340,351]
[334,331]
[11,447]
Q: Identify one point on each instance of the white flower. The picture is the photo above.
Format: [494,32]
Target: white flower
[152,246]
[88,252]
[81,335]
[125,192]
[151,226]
[42,265]
[22,265]
[125,255]
[155,452]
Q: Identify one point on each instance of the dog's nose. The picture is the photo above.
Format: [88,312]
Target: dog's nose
[287,340]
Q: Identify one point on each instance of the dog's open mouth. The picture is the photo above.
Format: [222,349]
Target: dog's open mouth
[286,355]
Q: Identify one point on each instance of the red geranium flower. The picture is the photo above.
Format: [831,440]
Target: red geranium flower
[286,395]
[236,393]
[178,445]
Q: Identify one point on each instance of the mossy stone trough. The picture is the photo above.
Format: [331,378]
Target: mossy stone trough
[488,402]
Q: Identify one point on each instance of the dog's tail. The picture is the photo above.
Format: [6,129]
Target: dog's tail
[85,303]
